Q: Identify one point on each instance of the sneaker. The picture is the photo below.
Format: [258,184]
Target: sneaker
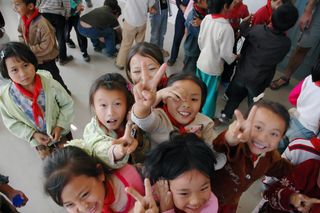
[89,3]
[171,62]
[225,97]
[71,44]
[224,119]
[118,66]
[86,57]
[66,60]
[221,160]
[165,53]
[104,51]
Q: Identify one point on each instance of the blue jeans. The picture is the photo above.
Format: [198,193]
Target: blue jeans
[94,34]
[158,24]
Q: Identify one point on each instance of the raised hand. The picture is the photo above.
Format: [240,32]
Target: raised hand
[42,139]
[56,133]
[174,92]
[302,202]
[165,195]
[145,91]
[144,204]
[127,143]
[240,130]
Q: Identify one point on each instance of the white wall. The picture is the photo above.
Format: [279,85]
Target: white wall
[254,5]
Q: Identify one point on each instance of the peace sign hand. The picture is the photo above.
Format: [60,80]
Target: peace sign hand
[126,144]
[145,91]
[240,130]
[302,202]
[144,204]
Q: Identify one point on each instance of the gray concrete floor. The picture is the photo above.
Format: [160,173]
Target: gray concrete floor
[21,162]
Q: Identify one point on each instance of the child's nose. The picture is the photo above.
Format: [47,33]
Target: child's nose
[195,201]
[83,207]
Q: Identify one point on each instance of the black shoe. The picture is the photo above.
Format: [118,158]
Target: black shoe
[171,62]
[65,60]
[89,3]
[97,49]
[71,44]
[86,57]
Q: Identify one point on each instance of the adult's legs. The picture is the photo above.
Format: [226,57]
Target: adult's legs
[110,42]
[178,35]
[155,29]
[163,27]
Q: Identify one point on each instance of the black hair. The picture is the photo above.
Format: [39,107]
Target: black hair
[315,71]
[192,77]
[181,153]
[64,164]
[114,6]
[111,81]
[34,2]
[276,108]
[144,49]
[216,6]
[284,17]
[18,50]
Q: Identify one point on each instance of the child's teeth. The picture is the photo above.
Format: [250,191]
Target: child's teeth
[184,113]
[259,146]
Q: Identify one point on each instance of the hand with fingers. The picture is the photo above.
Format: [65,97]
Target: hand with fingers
[42,139]
[126,144]
[56,133]
[144,204]
[174,92]
[165,195]
[302,202]
[145,91]
[240,130]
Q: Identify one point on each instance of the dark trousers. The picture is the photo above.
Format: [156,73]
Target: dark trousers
[178,35]
[51,66]
[238,90]
[59,23]
[82,41]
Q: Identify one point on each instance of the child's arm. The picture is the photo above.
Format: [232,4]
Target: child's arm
[294,94]
[145,91]
[10,193]
[175,93]
[239,130]
[226,45]
[165,196]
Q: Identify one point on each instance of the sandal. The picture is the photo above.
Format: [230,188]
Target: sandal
[276,84]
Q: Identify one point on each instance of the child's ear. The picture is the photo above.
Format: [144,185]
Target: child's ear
[31,6]
[102,176]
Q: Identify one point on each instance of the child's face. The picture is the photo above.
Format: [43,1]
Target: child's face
[110,107]
[267,131]
[203,4]
[190,191]
[135,67]
[275,4]
[20,7]
[20,72]
[84,194]
[184,111]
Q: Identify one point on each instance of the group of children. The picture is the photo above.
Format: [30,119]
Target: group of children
[152,127]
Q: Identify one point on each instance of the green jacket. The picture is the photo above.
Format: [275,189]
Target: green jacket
[99,145]
[59,110]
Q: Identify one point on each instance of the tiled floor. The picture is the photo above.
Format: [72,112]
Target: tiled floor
[22,163]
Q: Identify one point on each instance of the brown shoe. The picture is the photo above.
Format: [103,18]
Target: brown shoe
[280,82]
[65,60]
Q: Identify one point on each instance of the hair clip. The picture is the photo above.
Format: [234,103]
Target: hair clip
[258,98]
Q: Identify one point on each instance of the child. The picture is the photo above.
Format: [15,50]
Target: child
[3,36]
[263,15]
[34,107]
[73,20]
[216,42]
[151,55]
[263,49]
[305,97]
[251,148]
[183,99]
[299,191]
[80,183]
[183,169]
[134,26]
[191,47]
[38,34]
[111,101]
[18,198]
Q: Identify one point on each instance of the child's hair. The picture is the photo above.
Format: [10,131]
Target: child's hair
[114,6]
[284,17]
[18,50]
[64,164]
[315,71]
[144,49]
[181,153]
[188,76]
[111,81]
[276,108]
[34,2]
[216,6]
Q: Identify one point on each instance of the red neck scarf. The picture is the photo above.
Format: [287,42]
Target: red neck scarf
[316,143]
[215,16]
[174,122]
[27,21]
[202,11]
[36,110]
[317,83]
[109,199]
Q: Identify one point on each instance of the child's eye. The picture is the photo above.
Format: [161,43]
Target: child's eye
[85,195]
[69,205]
[103,105]
[194,99]
[258,128]
[204,188]
[183,194]
[118,104]
[274,134]
[136,71]
[26,64]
